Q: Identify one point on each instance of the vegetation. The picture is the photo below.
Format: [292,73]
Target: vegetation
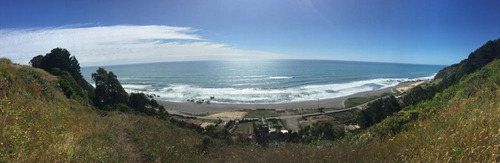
[42,118]
[60,62]
[377,111]
[38,122]
[355,101]
[459,124]
[452,74]
[327,130]
[259,113]
[109,92]
[143,104]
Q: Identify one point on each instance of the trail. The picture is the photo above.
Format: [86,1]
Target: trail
[132,152]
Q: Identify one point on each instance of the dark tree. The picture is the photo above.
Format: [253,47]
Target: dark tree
[108,90]
[36,61]
[60,60]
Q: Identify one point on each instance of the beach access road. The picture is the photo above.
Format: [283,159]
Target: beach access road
[176,113]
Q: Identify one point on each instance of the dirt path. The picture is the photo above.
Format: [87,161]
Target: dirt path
[132,151]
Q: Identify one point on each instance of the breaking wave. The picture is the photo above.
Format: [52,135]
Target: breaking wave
[182,92]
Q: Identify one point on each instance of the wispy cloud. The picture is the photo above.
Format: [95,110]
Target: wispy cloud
[105,45]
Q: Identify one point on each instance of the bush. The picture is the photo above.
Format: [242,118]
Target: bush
[141,103]
[59,60]
[121,107]
[327,130]
[108,90]
[66,88]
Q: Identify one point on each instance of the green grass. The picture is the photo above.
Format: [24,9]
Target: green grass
[355,101]
[242,127]
[259,113]
[39,124]
[347,117]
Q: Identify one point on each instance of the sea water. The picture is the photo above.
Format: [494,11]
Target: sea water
[272,81]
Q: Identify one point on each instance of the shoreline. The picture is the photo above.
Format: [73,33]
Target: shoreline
[195,108]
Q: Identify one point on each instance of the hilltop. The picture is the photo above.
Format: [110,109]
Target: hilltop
[454,118]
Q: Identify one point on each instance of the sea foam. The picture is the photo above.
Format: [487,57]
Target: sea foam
[182,92]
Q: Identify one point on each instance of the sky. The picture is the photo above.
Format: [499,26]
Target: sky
[140,31]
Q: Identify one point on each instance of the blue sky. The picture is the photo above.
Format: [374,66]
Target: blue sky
[132,31]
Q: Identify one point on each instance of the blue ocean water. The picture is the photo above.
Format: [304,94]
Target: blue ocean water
[272,81]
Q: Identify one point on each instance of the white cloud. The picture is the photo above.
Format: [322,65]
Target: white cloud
[106,45]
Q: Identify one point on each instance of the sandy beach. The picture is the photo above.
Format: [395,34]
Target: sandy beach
[191,107]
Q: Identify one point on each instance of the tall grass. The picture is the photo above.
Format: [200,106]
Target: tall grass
[38,123]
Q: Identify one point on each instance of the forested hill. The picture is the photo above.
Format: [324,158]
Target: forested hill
[452,74]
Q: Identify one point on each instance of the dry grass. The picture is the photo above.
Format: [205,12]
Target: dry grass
[205,124]
[412,85]
[43,125]
[231,114]
[461,124]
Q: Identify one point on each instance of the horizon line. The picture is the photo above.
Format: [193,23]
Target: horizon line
[253,60]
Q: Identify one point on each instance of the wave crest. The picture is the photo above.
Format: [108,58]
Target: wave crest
[181,92]
[280,77]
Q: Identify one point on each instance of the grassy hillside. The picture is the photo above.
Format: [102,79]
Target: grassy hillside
[38,122]
[461,124]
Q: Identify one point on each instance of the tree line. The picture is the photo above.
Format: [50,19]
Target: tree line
[108,94]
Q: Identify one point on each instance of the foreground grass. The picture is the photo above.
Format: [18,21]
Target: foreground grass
[39,124]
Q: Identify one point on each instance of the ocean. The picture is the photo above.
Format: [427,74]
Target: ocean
[271,81]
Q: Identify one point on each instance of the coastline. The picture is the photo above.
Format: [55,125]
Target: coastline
[195,108]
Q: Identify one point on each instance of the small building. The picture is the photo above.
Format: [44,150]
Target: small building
[280,110]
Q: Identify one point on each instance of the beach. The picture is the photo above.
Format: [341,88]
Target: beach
[195,108]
